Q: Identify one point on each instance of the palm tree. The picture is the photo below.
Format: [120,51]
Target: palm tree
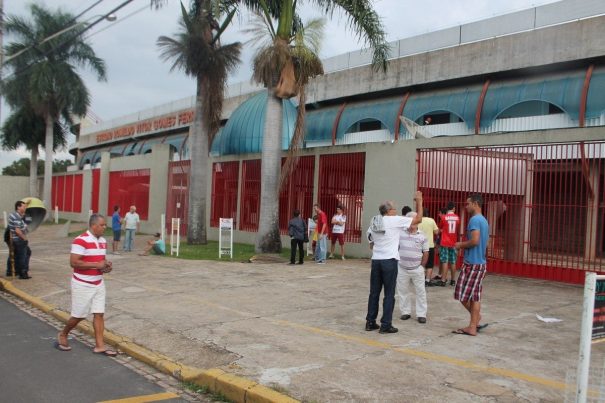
[24,128]
[197,50]
[44,74]
[284,65]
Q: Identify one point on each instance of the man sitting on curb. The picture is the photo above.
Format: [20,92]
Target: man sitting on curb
[157,246]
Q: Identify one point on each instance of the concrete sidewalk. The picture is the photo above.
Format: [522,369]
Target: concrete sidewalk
[300,329]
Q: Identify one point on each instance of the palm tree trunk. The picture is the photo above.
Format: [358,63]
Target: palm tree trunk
[48,163]
[268,239]
[198,143]
[33,174]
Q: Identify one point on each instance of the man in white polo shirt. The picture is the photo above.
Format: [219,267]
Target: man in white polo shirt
[87,286]
[383,235]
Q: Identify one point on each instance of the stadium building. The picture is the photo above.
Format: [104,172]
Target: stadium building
[512,107]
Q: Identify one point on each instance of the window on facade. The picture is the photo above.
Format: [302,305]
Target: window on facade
[530,108]
[366,125]
[438,118]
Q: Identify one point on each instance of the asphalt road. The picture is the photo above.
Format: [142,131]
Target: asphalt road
[32,370]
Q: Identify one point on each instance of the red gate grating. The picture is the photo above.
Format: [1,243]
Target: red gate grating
[224,191]
[297,192]
[96,183]
[128,188]
[178,193]
[250,204]
[544,204]
[341,181]
[67,193]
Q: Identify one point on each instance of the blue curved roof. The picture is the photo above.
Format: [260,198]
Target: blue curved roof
[243,132]
[563,92]
[595,102]
[319,123]
[384,111]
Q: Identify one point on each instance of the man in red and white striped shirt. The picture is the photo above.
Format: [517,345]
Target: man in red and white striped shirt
[87,286]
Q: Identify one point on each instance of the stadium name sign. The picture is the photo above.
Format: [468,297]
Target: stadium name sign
[177,119]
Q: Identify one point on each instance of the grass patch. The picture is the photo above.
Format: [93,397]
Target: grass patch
[216,396]
[241,252]
[108,232]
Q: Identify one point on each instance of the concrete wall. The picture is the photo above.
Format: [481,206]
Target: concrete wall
[574,41]
[13,188]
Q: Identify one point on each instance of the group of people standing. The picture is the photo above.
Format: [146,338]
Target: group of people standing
[404,245]
[297,229]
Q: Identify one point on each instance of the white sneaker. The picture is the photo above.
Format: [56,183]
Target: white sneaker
[116,253]
[343,258]
[331,256]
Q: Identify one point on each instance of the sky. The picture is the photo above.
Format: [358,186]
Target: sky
[138,79]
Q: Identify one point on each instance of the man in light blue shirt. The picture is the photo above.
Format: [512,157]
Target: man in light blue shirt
[156,246]
[470,280]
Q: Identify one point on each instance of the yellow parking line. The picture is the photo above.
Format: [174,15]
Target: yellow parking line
[145,398]
[378,344]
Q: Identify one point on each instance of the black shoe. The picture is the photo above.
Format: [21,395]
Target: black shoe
[452,282]
[430,284]
[388,330]
[26,277]
[405,317]
[426,283]
[421,320]
[371,326]
[441,283]
[301,262]
[291,263]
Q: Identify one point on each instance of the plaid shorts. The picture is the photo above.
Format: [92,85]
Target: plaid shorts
[448,255]
[470,282]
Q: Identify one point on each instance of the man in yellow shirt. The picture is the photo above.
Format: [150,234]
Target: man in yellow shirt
[429,229]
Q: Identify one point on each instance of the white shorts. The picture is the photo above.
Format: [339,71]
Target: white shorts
[86,299]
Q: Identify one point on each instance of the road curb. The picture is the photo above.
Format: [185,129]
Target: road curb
[233,387]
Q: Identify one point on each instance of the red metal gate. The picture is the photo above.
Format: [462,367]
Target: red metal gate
[178,193]
[224,191]
[297,192]
[67,193]
[341,182]
[127,188]
[250,196]
[544,203]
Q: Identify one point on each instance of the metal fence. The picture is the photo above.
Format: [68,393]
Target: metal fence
[297,192]
[67,193]
[127,188]
[341,182]
[250,196]
[544,203]
[224,191]
[178,193]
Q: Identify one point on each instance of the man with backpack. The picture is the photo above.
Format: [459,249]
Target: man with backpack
[18,259]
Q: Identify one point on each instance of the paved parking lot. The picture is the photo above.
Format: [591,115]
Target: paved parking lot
[300,329]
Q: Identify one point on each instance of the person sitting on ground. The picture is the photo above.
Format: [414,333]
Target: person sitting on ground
[157,246]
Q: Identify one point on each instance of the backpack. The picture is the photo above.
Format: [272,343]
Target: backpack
[7,236]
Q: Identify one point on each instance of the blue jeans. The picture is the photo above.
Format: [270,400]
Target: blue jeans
[321,249]
[22,254]
[384,273]
[129,239]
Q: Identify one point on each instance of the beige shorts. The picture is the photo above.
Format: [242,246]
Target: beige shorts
[86,299]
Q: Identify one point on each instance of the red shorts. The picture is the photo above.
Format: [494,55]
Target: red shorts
[338,237]
[470,282]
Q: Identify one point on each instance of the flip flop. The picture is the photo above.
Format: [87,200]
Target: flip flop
[462,331]
[61,347]
[483,326]
[108,353]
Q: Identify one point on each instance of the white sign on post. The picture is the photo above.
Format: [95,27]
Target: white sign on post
[310,229]
[56,214]
[175,236]
[5,217]
[225,238]
[163,227]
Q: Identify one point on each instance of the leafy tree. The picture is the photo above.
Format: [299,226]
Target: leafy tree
[24,128]
[284,64]
[44,71]
[21,167]
[197,50]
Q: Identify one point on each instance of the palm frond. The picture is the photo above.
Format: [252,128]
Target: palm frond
[259,30]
